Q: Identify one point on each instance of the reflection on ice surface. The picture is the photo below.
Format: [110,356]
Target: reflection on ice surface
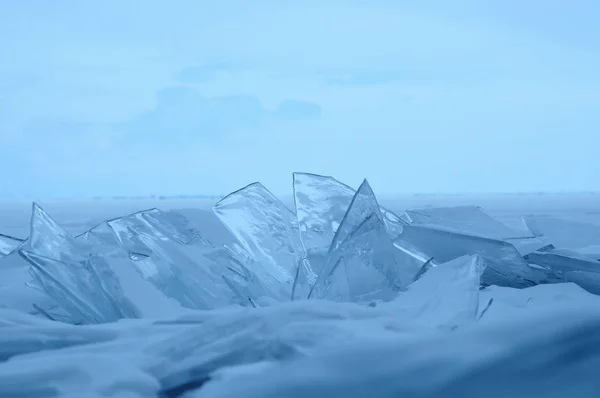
[292,302]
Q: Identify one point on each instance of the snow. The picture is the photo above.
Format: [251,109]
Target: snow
[452,300]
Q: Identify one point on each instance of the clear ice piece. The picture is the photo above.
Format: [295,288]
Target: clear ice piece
[172,224]
[530,245]
[446,296]
[321,203]
[504,264]
[363,204]
[470,220]
[366,262]
[562,233]
[8,244]
[48,239]
[589,281]
[561,263]
[267,230]
[88,290]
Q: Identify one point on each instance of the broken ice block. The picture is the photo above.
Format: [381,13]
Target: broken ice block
[86,289]
[267,230]
[363,204]
[446,296]
[8,244]
[366,262]
[172,224]
[505,265]
[561,263]
[589,281]
[530,245]
[563,233]
[321,203]
[470,220]
[48,239]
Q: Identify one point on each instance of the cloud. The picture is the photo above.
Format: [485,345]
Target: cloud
[205,72]
[297,110]
[183,115]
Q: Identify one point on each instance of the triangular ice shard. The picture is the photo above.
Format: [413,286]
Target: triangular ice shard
[79,289]
[530,245]
[563,233]
[446,296]
[48,239]
[321,203]
[267,230]
[366,262]
[471,220]
[363,204]
[505,265]
[8,244]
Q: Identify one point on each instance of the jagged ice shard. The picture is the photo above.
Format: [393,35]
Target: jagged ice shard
[8,244]
[470,220]
[362,259]
[447,296]
[267,230]
[505,265]
[321,203]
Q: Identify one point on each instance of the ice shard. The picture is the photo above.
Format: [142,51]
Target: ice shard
[561,263]
[166,263]
[48,239]
[562,233]
[86,289]
[470,220]
[268,231]
[530,245]
[363,204]
[505,265]
[172,224]
[8,244]
[446,296]
[366,262]
[589,281]
[321,203]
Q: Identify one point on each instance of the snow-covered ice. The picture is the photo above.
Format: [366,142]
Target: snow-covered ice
[334,295]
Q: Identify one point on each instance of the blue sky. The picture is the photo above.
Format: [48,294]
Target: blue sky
[119,97]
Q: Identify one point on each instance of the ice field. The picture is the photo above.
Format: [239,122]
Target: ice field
[331,292]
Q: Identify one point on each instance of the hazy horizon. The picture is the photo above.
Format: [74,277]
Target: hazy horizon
[198,97]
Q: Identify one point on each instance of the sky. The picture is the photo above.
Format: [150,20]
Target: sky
[121,97]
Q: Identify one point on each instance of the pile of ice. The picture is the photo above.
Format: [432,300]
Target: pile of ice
[337,297]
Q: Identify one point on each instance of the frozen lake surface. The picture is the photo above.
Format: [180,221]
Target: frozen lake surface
[331,292]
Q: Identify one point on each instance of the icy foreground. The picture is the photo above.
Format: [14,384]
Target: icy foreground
[337,297]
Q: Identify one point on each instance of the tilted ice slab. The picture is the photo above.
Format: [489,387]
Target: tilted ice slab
[83,285]
[560,263]
[321,203]
[268,231]
[159,258]
[563,233]
[8,244]
[444,297]
[470,220]
[92,288]
[505,265]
